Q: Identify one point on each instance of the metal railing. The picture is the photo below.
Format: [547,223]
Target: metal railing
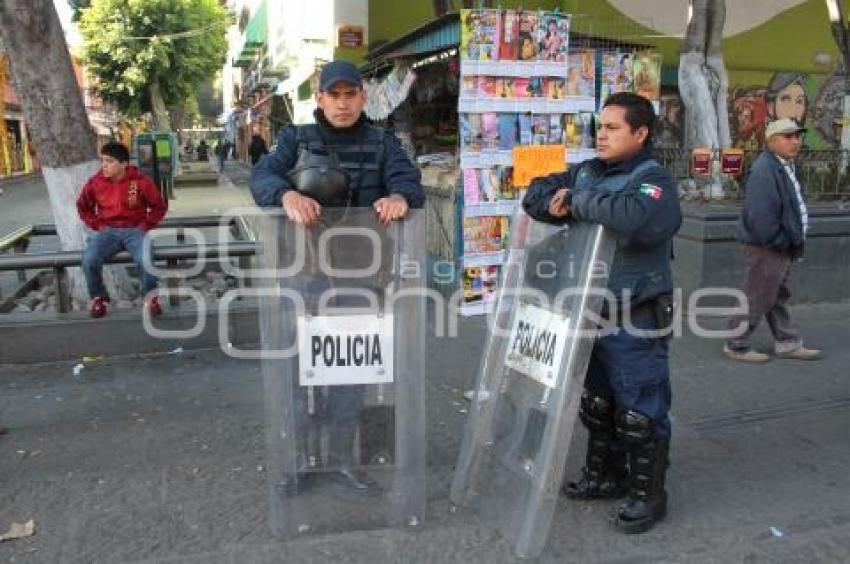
[18,241]
[823,172]
[61,260]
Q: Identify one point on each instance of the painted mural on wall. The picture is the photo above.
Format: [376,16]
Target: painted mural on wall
[813,101]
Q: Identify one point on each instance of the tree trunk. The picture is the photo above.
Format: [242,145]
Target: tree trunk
[703,85]
[54,110]
[160,113]
[178,119]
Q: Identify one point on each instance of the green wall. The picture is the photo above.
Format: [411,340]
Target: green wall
[789,41]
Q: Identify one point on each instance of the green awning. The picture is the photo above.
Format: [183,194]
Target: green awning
[255,36]
[256,33]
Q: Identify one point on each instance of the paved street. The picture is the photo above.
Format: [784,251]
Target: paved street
[162,459]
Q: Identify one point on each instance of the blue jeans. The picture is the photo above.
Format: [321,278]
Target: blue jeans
[634,372]
[109,242]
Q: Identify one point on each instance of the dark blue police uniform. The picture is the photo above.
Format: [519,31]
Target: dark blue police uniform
[627,389]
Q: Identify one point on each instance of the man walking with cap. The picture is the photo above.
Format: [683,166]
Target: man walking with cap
[772,228]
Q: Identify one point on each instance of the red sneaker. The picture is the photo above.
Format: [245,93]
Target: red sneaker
[98,307]
[153,307]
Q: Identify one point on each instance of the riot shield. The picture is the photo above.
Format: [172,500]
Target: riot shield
[530,380]
[342,329]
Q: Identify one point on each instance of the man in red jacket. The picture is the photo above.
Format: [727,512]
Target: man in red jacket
[122,205]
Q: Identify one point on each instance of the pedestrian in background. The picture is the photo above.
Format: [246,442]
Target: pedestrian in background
[773,226]
[257,148]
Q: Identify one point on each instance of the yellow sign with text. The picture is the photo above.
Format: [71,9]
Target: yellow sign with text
[531,161]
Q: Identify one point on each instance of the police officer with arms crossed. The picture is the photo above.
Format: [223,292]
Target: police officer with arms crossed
[627,395]
[340,161]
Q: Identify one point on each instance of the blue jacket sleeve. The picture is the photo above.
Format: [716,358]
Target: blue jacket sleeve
[762,212]
[646,212]
[269,179]
[400,176]
[540,192]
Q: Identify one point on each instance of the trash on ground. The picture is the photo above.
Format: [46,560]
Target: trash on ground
[19,531]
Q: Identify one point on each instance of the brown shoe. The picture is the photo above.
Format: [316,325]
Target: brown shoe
[748,355]
[800,353]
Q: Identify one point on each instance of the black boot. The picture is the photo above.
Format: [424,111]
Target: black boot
[604,473]
[647,501]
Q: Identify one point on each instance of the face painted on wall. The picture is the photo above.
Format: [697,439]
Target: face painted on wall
[791,103]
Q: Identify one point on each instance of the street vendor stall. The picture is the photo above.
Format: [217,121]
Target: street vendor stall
[482,95]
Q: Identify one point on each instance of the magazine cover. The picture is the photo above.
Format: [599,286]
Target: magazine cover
[526,135]
[647,75]
[581,74]
[489,182]
[490,130]
[471,186]
[587,133]
[509,44]
[484,234]
[480,284]
[539,129]
[522,88]
[505,87]
[488,87]
[535,87]
[507,190]
[555,88]
[609,75]
[556,131]
[553,37]
[468,87]
[479,36]
[572,131]
[507,131]
[469,126]
[625,78]
[527,36]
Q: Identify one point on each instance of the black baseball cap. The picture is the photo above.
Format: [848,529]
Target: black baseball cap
[339,71]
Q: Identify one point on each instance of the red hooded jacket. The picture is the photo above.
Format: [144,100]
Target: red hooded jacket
[131,201]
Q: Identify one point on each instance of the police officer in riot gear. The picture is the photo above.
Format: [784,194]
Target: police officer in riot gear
[627,395]
[317,171]
[308,168]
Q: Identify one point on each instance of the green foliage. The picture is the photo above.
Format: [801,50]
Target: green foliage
[131,43]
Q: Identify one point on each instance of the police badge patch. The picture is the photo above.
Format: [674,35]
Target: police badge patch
[651,190]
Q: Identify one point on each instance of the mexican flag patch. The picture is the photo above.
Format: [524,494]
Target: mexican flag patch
[651,190]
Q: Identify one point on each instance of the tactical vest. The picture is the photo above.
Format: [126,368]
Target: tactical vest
[642,270]
[363,161]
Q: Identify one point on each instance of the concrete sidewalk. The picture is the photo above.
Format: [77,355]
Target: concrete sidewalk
[162,459]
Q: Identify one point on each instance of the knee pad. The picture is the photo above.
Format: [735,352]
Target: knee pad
[634,427]
[596,412]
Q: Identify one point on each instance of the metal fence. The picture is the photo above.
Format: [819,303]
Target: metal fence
[824,173]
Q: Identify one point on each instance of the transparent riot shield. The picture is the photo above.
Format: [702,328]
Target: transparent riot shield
[342,330]
[530,380]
